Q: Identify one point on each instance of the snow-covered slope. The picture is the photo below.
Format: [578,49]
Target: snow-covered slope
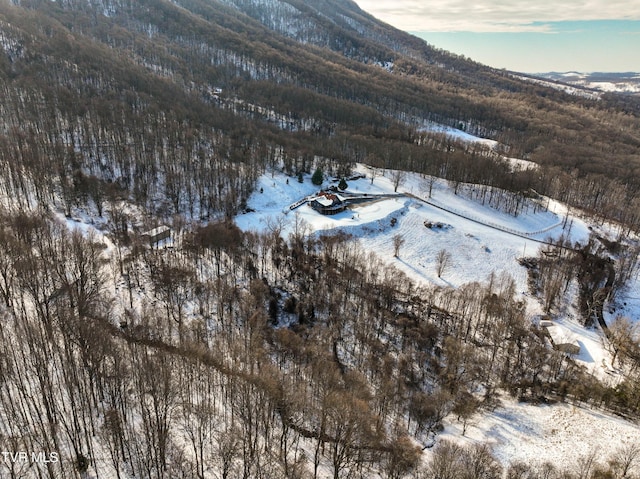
[481,241]
[560,434]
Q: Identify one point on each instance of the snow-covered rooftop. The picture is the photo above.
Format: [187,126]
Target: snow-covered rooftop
[563,339]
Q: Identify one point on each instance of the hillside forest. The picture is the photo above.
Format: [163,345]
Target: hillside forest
[263,355]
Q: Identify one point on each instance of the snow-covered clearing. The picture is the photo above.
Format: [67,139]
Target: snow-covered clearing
[481,241]
[460,135]
[515,164]
[561,434]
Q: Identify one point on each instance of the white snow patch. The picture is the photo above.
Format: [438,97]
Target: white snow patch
[459,135]
[561,433]
[516,164]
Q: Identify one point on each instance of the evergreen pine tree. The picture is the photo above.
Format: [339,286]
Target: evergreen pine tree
[317,177]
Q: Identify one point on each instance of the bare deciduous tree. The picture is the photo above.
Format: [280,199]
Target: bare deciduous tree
[446,463]
[398,177]
[585,464]
[398,241]
[404,457]
[480,463]
[625,460]
[443,261]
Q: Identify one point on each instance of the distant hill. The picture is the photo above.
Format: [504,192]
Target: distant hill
[627,82]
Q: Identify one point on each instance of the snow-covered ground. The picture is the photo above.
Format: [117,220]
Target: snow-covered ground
[480,240]
[561,434]
[589,85]
[515,164]
[605,82]
[581,90]
[460,135]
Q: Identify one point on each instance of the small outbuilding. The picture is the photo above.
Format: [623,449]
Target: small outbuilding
[562,339]
[156,235]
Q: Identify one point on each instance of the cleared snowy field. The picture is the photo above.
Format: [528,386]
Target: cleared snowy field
[561,434]
[481,241]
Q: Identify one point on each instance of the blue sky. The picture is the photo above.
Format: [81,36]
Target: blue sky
[532,37]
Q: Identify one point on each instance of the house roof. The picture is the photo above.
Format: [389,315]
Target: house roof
[560,335]
[325,201]
[156,231]
[328,199]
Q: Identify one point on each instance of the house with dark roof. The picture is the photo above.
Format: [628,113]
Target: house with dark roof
[328,203]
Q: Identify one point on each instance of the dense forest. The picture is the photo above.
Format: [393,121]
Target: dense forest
[155,97]
[239,354]
[197,378]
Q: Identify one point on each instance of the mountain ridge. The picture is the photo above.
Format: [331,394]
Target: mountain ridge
[333,88]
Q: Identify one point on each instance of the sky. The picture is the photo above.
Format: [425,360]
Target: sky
[523,35]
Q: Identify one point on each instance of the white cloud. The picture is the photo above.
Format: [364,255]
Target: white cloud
[495,15]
